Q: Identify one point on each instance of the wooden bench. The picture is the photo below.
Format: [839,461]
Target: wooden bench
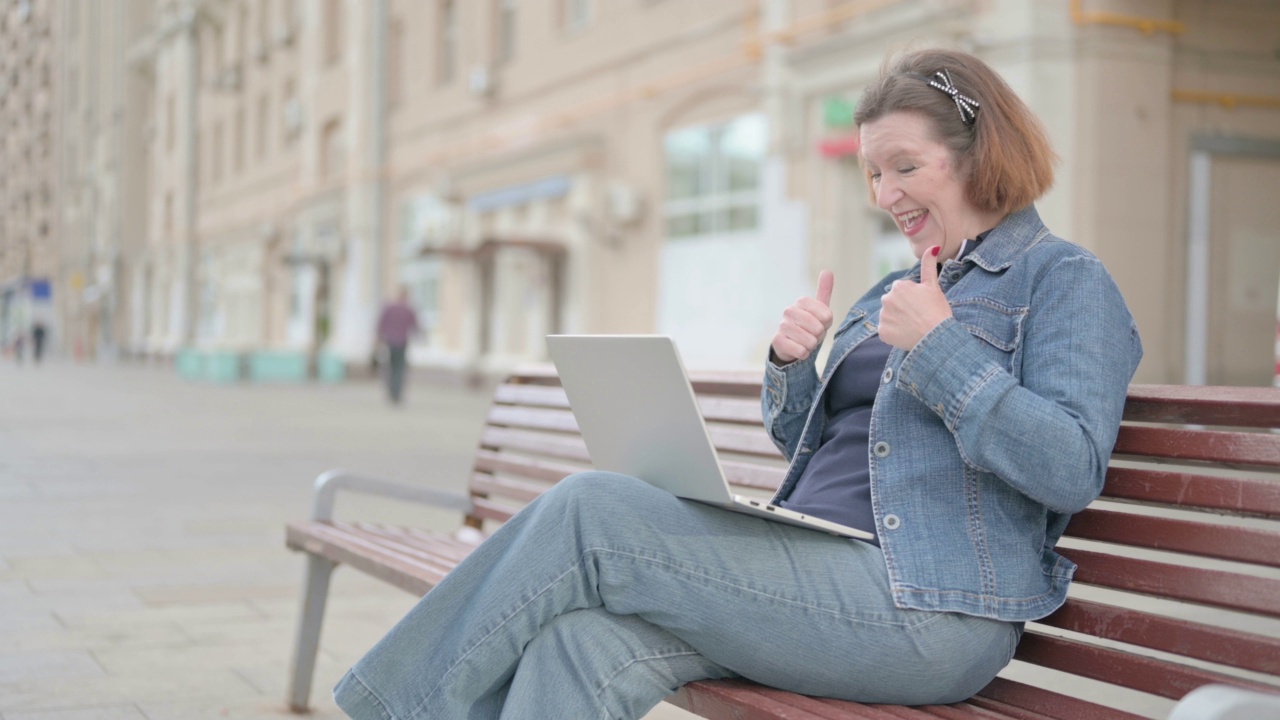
[1178,585]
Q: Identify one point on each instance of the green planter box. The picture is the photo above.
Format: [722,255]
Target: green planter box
[190,364]
[222,367]
[278,366]
[330,369]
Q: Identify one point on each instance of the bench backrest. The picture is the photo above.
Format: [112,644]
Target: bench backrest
[1180,557]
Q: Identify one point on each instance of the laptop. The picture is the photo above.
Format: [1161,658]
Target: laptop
[639,417]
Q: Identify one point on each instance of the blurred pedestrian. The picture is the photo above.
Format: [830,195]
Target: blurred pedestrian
[396,323]
[37,341]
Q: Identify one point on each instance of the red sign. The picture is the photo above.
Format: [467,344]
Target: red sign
[842,146]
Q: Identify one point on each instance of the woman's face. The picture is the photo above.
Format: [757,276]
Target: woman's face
[915,179]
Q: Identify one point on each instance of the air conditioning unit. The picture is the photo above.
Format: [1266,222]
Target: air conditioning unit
[480,81]
[293,117]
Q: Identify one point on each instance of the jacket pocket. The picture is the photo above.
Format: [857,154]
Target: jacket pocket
[999,327]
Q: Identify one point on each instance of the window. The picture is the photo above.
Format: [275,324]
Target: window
[713,178]
[333,155]
[395,62]
[448,32]
[242,35]
[264,24]
[264,125]
[215,168]
[170,119]
[505,40]
[291,112]
[576,14]
[237,141]
[332,31]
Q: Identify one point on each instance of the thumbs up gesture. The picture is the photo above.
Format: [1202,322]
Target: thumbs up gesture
[910,310]
[805,323]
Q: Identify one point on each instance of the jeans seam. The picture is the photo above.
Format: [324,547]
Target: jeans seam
[577,564]
[635,661]
[753,591]
[372,697]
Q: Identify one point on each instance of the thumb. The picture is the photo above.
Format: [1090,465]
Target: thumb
[929,266]
[826,279]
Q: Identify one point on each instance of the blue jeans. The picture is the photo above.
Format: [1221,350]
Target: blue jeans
[606,594]
[396,363]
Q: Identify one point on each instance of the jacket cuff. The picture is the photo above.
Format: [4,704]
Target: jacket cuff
[791,386]
[945,370]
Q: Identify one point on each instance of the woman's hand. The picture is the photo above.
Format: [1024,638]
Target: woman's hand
[805,323]
[910,310]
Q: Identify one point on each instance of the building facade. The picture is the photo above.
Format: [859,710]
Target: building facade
[526,167]
[29,257]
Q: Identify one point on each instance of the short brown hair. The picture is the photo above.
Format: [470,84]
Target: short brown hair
[1004,157]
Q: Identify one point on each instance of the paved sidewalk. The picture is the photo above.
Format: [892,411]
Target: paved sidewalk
[143,572]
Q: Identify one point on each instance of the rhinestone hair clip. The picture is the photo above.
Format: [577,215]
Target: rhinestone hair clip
[968,106]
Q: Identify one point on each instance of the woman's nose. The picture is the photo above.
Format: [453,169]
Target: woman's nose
[886,194]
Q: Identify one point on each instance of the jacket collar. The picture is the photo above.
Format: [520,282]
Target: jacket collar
[1008,240]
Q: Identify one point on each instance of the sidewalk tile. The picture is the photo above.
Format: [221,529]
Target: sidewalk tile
[62,665]
[101,712]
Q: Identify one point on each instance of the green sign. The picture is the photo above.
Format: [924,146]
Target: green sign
[837,112]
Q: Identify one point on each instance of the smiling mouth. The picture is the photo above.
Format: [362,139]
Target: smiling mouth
[911,220]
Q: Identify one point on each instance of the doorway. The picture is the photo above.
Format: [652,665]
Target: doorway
[1233,262]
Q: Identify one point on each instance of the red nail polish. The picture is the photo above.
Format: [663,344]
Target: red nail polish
[936,250]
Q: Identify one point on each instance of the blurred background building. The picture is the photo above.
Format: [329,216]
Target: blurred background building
[255,177]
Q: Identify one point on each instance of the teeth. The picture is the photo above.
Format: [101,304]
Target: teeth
[909,217]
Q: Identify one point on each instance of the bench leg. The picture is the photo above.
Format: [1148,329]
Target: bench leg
[314,595]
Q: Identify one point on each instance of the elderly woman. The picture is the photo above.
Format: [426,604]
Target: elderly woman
[968,408]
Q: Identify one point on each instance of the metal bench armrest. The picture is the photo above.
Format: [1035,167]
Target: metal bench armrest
[1224,702]
[330,482]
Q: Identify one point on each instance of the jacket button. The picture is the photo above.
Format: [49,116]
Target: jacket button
[955,276]
[888,375]
[881,449]
[891,522]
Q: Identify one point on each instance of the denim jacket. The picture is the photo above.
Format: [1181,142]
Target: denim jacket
[991,431]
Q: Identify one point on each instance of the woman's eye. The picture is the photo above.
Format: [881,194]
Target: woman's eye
[906,170]
[875,177]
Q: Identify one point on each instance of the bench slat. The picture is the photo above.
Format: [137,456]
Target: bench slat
[1218,588]
[486,510]
[1003,693]
[739,700]
[1243,495]
[433,562]
[1146,674]
[749,441]
[449,550]
[1213,540]
[389,567]
[530,395]
[1180,637]
[761,477]
[488,461]
[533,418]
[558,446]
[1203,405]
[488,486]
[1232,449]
